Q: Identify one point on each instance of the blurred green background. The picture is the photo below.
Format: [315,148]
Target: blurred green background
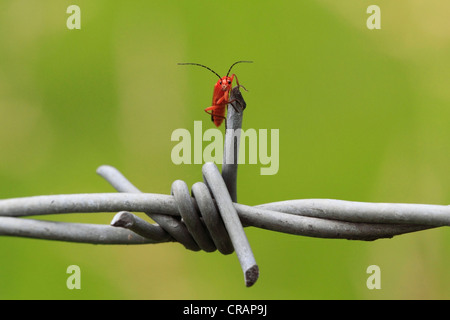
[363,115]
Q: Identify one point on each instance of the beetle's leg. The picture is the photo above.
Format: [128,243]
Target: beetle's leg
[237,81]
[223,100]
[236,100]
[212,112]
[215,115]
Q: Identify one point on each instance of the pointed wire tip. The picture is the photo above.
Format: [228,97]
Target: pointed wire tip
[122,219]
[102,168]
[251,275]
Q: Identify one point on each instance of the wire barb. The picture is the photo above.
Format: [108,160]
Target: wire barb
[232,142]
[322,218]
[210,218]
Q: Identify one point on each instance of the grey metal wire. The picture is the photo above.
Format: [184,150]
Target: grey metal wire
[232,139]
[210,218]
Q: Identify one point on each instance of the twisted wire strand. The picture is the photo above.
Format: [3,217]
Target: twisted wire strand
[323,218]
[326,223]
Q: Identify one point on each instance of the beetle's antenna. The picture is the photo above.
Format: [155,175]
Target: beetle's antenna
[237,63]
[200,65]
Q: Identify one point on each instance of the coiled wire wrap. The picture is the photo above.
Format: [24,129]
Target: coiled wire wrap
[221,228]
[188,228]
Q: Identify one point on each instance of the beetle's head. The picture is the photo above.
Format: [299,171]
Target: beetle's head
[225,83]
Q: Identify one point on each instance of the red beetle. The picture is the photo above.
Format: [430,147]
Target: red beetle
[221,95]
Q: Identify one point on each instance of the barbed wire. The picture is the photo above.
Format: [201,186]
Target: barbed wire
[209,218]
